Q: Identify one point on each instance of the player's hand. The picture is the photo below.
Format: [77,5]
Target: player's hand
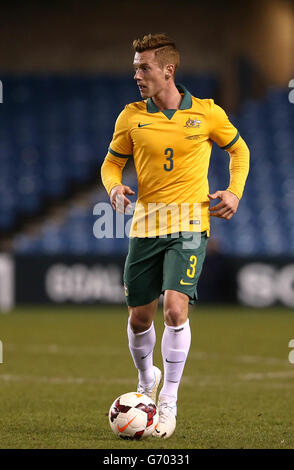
[227,206]
[119,201]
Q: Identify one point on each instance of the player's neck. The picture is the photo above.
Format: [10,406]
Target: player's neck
[168,98]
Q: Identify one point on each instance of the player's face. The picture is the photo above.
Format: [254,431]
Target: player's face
[150,77]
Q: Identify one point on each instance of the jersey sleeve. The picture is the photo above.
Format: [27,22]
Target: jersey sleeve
[121,144]
[239,167]
[111,171]
[222,131]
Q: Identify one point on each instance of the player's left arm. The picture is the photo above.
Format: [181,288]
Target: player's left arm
[227,137]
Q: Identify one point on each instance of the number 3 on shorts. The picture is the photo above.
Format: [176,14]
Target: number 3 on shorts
[193,262]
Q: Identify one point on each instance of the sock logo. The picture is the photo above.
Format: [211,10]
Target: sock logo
[173,362]
[144,357]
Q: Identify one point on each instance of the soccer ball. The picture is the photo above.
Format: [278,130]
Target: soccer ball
[133,416]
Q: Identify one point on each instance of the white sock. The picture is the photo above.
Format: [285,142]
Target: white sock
[141,346]
[175,346]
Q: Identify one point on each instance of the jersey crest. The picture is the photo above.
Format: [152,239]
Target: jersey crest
[192,123]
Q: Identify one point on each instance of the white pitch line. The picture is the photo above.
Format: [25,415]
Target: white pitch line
[63,350]
[63,380]
[267,375]
[247,359]
[92,350]
[195,381]
[74,380]
[54,349]
[263,359]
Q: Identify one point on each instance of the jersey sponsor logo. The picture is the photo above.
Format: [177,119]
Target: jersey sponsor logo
[183,283]
[193,137]
[192,123]
[143,125]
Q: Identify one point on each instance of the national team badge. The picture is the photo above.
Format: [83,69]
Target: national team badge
[192,123]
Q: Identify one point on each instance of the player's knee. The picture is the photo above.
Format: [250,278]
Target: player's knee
[138,321]
[174,315]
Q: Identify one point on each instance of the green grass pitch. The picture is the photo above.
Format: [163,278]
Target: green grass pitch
[63,367]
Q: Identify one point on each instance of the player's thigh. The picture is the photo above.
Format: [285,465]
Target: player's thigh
[143,271]
[183,264]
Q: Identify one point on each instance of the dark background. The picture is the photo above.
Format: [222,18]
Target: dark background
[66,72]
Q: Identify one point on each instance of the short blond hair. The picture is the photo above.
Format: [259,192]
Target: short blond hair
[165,49]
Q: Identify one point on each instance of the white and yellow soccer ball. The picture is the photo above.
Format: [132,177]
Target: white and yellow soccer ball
[133,416]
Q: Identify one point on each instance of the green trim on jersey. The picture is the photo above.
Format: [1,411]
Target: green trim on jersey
[116,154]
[231,143]
[185,104]
[169,113]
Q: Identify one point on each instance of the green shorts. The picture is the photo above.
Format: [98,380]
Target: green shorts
[154,265]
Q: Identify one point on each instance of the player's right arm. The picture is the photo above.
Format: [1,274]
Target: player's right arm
[120,149]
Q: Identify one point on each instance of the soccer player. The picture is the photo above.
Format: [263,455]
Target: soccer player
[169,134]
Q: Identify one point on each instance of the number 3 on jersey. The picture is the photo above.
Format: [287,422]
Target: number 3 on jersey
[169,157]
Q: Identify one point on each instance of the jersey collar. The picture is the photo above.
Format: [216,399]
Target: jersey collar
[185,104]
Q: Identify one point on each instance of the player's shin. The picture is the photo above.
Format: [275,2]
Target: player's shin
[174,347]
[141,346]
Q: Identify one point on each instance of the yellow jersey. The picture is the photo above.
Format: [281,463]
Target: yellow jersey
[171,151]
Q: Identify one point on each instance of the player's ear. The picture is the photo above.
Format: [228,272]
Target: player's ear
[169,71]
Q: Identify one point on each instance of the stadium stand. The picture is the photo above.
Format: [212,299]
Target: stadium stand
[54,134]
